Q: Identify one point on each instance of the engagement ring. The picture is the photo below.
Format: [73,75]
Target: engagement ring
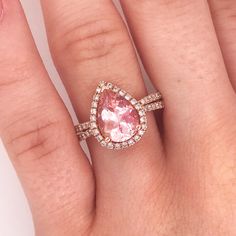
[117,120]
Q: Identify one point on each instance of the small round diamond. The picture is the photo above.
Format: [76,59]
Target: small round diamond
[141,113]
[115,89]
[110,145]
[93,111]
[117,146]
[127,96]
[93,118]
[98,90]
[103,143]
[141,132]
[99,138]
[133,101]
[101,83]
[95,132]
[122,93]
[96,97]
[124,144]
[109,85]
[143,119]
[94,104]
[93,125]
[144,126]
[138,106]
[131,142]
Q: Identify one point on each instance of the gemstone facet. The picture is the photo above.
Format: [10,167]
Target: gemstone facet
[117,118]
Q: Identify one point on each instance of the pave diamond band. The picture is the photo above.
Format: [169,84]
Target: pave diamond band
[117,120]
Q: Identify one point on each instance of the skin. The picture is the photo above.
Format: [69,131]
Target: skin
[181,181]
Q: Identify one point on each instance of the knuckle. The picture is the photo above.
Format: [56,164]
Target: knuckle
[225,8]
[90,41]
[226,11]
[30,139]
[164,3]
[14,74]
[180,8]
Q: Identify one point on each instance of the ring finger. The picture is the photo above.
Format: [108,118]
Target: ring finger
[90,43]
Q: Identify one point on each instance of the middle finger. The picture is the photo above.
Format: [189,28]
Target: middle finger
[178,37]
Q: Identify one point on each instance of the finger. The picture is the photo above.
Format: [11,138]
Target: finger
[38,133]
[224,18]
[179,48]
[90,43]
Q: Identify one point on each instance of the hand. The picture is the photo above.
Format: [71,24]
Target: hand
[181,181]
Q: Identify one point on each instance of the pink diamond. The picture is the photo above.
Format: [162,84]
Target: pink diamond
[117,118]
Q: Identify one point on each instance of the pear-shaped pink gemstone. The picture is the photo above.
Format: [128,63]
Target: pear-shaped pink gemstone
[117,118]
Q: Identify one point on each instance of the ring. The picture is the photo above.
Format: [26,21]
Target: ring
[117,120]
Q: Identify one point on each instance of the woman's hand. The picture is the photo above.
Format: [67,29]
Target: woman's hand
[180,181]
